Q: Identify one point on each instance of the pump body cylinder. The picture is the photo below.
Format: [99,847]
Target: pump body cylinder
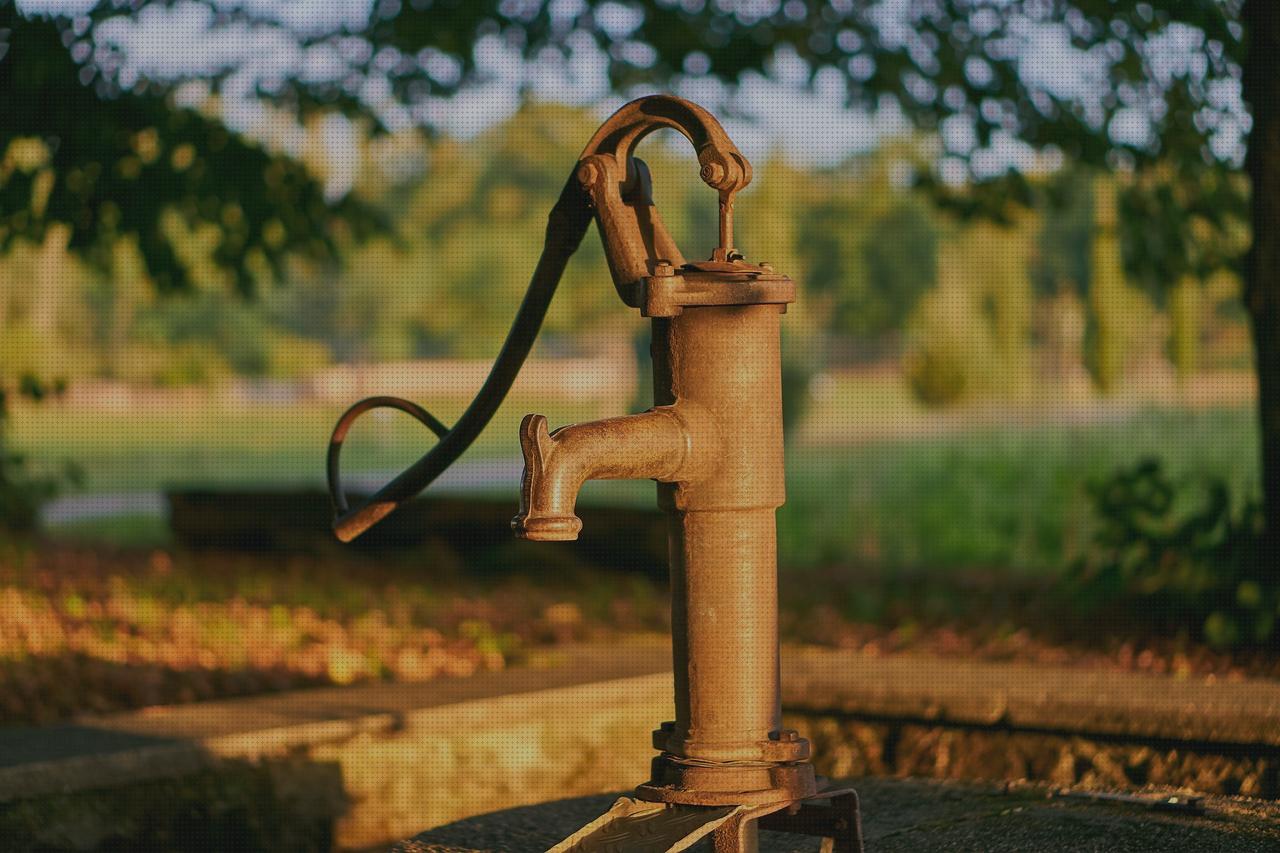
[726,742]
[723,541]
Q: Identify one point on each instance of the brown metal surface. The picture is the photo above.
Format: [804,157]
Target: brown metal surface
[635,239]
[714,443]
[635,826]
[838,824]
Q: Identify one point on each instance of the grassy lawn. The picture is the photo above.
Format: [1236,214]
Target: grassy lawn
[988,493]
[938,539]
[1011,498]
[147,450]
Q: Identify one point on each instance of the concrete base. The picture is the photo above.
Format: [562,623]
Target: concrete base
[917,816]
[357,767]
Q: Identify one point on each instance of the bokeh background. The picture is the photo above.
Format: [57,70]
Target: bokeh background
[1021,376]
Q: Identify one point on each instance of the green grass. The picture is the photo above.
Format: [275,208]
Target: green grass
[1008,497]
[147,450]
[126,531]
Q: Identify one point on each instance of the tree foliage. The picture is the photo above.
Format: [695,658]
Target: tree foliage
[971,334]
[868,249]
[111,163]
[1127,84]
[1180,550]
[939,57]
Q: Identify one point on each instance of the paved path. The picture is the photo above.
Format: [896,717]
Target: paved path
[471,477]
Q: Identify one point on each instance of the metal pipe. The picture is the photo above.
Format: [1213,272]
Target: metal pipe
[723,535]
[667,443]
[566,226]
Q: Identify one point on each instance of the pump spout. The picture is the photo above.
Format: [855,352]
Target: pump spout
[669,444]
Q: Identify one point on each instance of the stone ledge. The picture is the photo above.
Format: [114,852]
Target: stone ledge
[250,728]
[577,721]
[404,757]
[1033,698]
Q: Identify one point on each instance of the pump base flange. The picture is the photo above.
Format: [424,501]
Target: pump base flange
[676,781]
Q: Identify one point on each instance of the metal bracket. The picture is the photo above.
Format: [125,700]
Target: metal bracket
[666,295]
[838,824]
[634,237]
[636,826]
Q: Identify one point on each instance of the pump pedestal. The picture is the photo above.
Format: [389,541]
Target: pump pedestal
[713,442]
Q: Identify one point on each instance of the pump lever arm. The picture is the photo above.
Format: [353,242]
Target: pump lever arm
[634,238]
[566,225]
[609,184]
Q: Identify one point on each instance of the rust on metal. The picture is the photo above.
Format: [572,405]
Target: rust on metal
[714,444]
[637,826]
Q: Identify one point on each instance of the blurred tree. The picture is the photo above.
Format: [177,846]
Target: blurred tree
[1169,214]
[1061,260]
[1106,237]
[993,66]
[980,63]
[1003,259]
[1060,269]
[951,353]
[1186,312]
[900,253]
[86,161]
[971,335]
[1110,320]
[774,232]
[866,248]
[122,291]
[449,278]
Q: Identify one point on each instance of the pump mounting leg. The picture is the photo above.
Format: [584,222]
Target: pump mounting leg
[839,824]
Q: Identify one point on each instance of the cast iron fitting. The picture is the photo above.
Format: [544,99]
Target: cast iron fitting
[714,445]
[668,444]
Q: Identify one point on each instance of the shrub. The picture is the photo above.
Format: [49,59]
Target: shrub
[971,335]
[950,355]
[22,492]
[1181,551]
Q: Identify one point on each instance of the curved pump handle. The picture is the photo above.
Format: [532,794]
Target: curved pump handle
[636,242]
[724,169]
[604,172]
[566,226]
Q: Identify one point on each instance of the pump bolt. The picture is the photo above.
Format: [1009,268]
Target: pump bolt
[588,174]
[766,266]
[788,736]
[663,269]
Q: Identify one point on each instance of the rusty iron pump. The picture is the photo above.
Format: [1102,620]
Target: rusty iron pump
[714,444]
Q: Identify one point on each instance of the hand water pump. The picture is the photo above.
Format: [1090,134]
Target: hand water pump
[714,444]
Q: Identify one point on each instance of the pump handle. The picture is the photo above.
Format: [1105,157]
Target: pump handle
[566,226]
[722,167]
